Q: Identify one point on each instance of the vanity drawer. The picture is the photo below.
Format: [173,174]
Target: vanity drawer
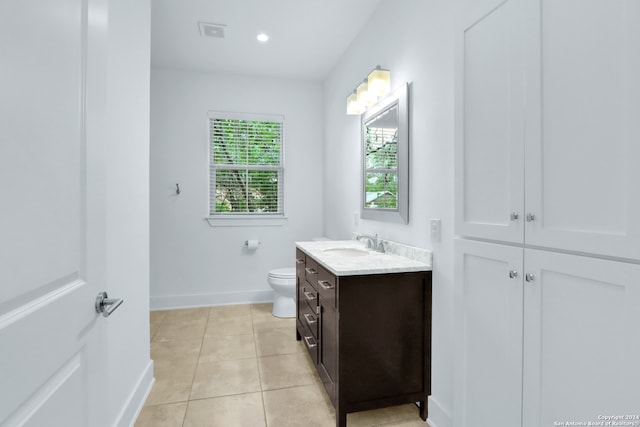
[310,342]
[326,284]
[311,271]
[300,263]
[307,294]
[309,318]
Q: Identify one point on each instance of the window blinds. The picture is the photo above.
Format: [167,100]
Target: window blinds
[246,164]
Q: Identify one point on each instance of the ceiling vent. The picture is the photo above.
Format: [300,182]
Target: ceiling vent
[208,29]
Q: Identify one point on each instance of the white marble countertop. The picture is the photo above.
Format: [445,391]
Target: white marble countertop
[412,259]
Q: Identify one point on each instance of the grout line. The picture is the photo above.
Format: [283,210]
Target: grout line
[195,371]
[255,344]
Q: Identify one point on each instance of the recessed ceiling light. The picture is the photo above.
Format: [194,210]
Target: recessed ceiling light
[262,37]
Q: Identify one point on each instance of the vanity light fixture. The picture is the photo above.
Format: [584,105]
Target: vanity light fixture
[353,106]
[377,84]
[379,81]
[365,97]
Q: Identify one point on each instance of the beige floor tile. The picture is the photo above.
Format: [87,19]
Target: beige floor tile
[185,314]
[263,320]
[186,351]
[286,370]
[227,347]
[225,378]
[181,329]
[236,325]
[171,415]
[297,406]
[393,415]
[278,341]
[242,410]
[155,320]
[157,316]
[173,382]
[230,311]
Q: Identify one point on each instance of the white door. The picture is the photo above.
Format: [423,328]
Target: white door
[489,356]
[490,128]
[581,339]
[583,126]
[52,89]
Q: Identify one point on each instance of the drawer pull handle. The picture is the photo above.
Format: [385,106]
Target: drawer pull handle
[325,285]
[299,261]
[310,319]
[310,270]
[310,345]
[310,296]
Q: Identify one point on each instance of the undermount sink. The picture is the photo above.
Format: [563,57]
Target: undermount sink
[347,252]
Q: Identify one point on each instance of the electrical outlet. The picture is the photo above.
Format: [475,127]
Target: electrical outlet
[435,230]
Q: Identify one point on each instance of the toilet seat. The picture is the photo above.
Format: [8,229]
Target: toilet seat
[283,273]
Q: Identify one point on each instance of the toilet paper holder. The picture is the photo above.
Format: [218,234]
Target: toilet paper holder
[246,242]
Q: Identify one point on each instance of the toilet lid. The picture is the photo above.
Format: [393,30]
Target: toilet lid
[283,273]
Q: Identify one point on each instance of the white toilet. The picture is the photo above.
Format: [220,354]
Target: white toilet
[283,282]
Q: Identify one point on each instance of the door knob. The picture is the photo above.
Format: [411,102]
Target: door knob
[530,217]
[514,216]
[529,277]
[513,274]
[106,305]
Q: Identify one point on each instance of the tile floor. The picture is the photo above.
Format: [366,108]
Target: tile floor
[238,366]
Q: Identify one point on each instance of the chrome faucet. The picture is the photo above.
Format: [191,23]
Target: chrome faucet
[372,242]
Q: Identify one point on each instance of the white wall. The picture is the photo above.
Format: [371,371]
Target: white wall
[415,39]
[193,263]
[127,217]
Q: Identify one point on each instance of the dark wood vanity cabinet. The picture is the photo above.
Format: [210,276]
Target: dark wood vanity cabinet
[368,335]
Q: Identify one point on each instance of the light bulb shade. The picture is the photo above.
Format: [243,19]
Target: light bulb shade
[379,81]
[365,98]
[353,106]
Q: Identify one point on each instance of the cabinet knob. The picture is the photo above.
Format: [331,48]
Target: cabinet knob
[529,277]
[514,216]
[530,217]
[513,274]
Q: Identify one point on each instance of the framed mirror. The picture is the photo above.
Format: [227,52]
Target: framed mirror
[385,154]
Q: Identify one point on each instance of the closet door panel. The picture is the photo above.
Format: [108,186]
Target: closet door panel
[583,126]
[581,338]
[489,357]
[490,140]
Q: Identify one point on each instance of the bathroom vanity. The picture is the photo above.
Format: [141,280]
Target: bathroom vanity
[365,318]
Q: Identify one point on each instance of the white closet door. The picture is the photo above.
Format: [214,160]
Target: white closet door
[53,344]
[490,130]
[488,386]
[583,126]
[582,341]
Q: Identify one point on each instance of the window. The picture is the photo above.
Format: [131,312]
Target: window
[246,165]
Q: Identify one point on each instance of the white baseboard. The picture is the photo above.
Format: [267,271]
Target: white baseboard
[169,302]
[438,416]
[138,396]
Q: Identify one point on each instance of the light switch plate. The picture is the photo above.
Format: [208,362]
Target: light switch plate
[435,230]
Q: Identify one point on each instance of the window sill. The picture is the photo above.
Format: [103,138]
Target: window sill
[244,221]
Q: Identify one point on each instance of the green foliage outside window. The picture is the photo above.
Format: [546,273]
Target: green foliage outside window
[381,160]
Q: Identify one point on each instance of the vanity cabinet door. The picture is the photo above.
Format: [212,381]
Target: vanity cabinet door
[489,288]
[328,354]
